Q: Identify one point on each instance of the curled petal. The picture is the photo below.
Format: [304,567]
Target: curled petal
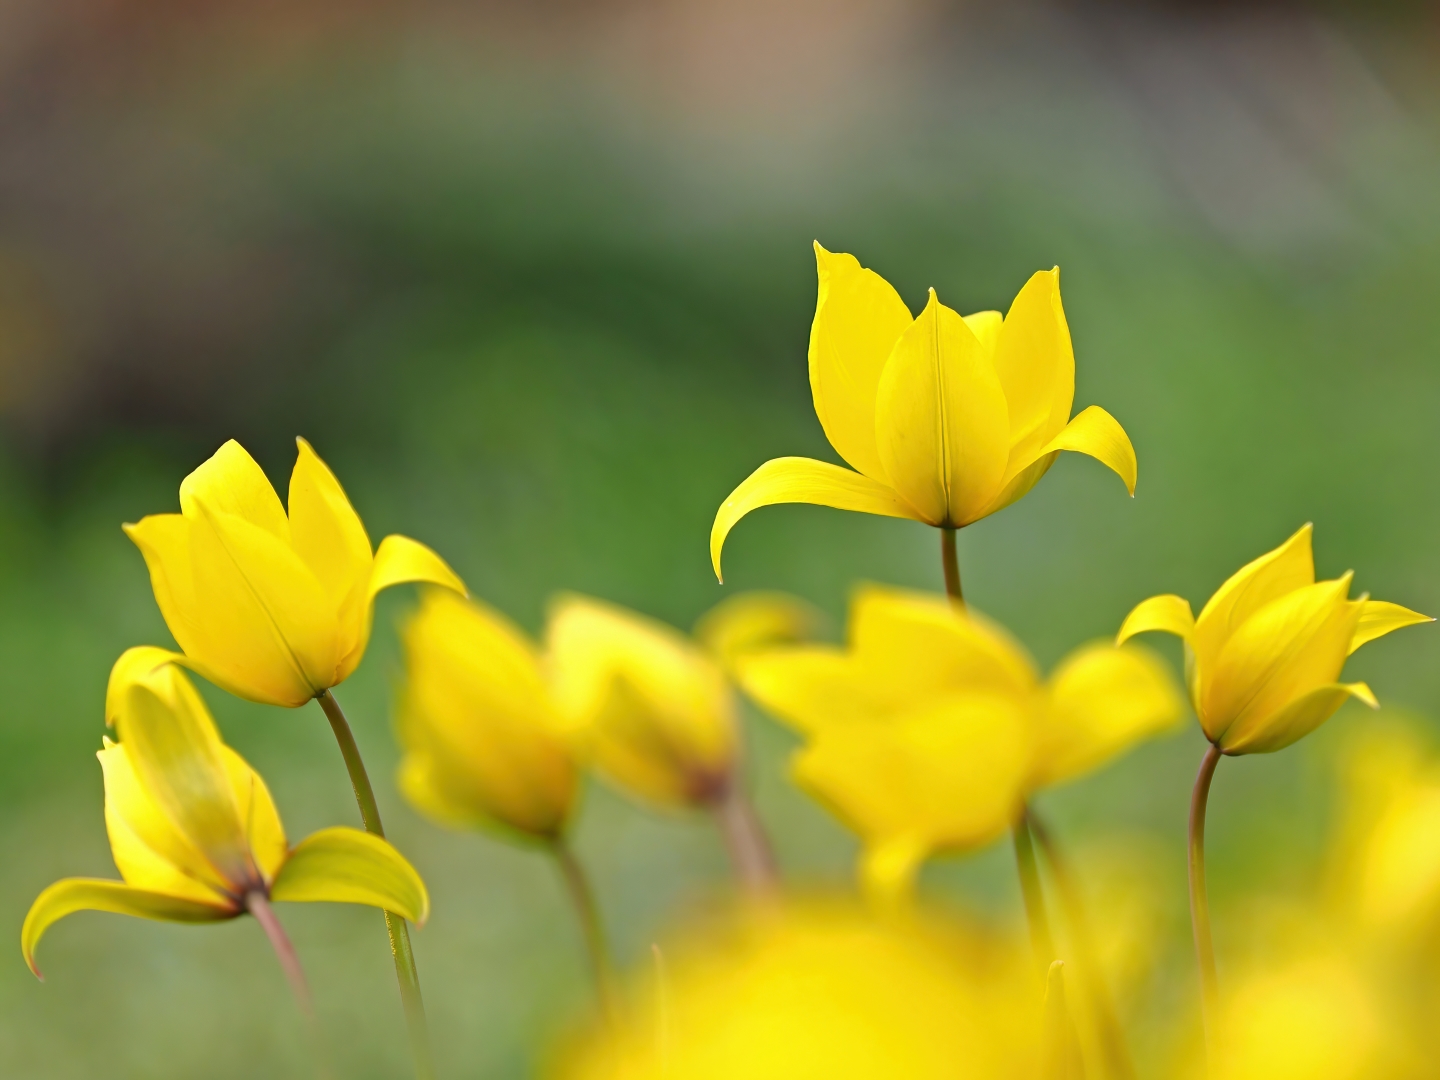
[1095,432]
[348,866]
[803,480]
[135,663]
[1379,617]
[1302,716]
[93,894]
[1168,614]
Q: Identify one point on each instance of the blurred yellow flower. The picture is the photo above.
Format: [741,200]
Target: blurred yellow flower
[750,621]
[652,709]
[928,731]
[1264,657]
[483,742]
[824,994]
[942,419]
[271,607]
[193,830]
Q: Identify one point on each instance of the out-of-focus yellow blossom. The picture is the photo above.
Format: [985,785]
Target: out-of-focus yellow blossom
[942,419]
[750,621]
[819,994]
[1264,657]
[272,607]
[484,744]
[653,710]
[926,733]
[193,830]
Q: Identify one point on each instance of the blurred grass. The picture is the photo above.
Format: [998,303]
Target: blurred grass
[554,380]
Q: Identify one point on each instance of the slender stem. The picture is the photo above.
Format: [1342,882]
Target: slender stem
[1199,904]
[1034,897]
[1112,1035]
[950,559]
[258,905]
[577,884]
[395,927]
[745,839]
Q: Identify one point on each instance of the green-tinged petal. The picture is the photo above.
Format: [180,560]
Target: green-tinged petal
[1169,614]
[858,319]
[1035,363]
[264,832]
[912,645]
[803,480]
[231,483]
[348,866]
[1266,734]
[92,894]
[1289,567]
[1288,648]
[168,737]
[476,717]
[135,663]
[1099,702]
[812,687]
[940,422]
[751,621]
[1379,617]
[888,869]
[1095,432]
[329,538]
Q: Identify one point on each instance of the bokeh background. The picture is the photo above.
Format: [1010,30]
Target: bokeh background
[536,280]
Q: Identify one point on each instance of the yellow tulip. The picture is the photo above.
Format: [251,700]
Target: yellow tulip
[484,744]
[1264,657]
[193,830]
[943,419]
[929,730]
[273,608]
[748,622]
[653,710]
[825,994]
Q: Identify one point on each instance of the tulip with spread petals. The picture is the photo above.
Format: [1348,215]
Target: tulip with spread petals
[929,731]
[195,834]
[1263,662]
[943,419]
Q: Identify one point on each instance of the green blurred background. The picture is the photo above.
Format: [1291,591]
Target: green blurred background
[536,280]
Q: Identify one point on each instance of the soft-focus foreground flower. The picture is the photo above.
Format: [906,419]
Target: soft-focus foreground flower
[271,607]
[821,994]
[927,732]
[748,622]
[484,743]
[1264,657]
[193,830]
[942,419]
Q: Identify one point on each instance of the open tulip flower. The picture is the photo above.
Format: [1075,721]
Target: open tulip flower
[275,608]
[930,729]
[193,830]
[943,419]
[1263,660]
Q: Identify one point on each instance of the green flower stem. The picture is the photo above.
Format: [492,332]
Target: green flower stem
[745,839]
[258,904]
[1034,896]
[395,925]
[577,884]
[1112,1035]
[950,558]
[1199,904]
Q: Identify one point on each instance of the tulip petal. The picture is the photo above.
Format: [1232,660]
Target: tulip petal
[1265,735]
[1168,614]
[858,319]
[1274,574]
[940,422]
[1100,701]
[888,869]
[749,622]
[985,325]
[135,664]
[93,894]
[1019,485]
[1095,432]
[264,833]
[1035,363]
[1379,617]
[329,538]
[231,483]
[803,480]
[348,866]
[811,687]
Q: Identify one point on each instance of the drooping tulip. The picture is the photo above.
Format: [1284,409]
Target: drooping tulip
[943,419]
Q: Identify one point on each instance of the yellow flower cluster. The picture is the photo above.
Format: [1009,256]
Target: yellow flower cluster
[928,732]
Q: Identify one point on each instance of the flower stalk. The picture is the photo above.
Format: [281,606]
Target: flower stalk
[577,885]
[745,840]
[1034,895]
[950,559]
[1199,904]
[395,926]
